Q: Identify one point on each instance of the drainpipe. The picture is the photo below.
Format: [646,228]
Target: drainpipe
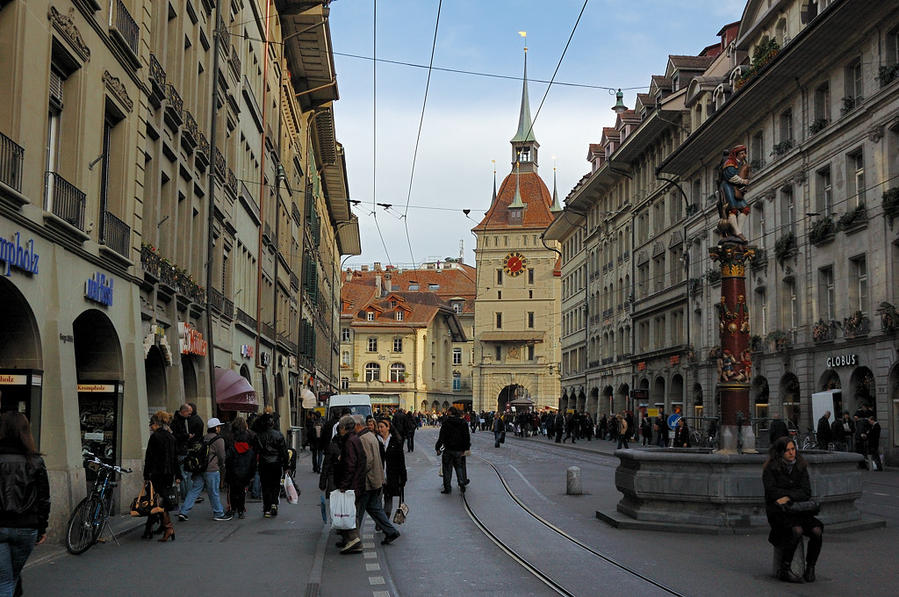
[262,190]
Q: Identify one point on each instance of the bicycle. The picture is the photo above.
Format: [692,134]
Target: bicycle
[91,515]
[810,441]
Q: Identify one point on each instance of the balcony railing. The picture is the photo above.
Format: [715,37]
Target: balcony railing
[121,23]
[202,153]
[228,308]
[294,281]
[190,131]
[244,318]
[65,200]
[175,107]
[116,234]
[157,81]
[219,164]
[235,62]
[216,299]
[232,182]
[267,329]
[11,159]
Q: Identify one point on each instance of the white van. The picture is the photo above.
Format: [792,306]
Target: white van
[359,404]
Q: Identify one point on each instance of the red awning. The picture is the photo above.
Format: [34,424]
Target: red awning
[233,392]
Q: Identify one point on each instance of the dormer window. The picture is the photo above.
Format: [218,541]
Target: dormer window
[370,315]
[515,216]
[399,315]
[393,304]
[524,154]
[433,287]
[413,286]
[457,307]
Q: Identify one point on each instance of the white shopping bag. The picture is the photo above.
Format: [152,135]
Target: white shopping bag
[343,510]
[290,490]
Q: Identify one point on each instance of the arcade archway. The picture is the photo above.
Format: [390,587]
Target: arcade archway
[790,397]
[508,394]
[21,362]
[861,390]
[154,366]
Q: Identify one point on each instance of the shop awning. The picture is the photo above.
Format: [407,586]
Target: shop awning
[233,392]
[308,398]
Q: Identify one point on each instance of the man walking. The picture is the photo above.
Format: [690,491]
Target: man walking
[187,427]
[371,499]
[823,433]
[455,440]
[350,475]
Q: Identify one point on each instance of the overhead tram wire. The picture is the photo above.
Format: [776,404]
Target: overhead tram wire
[421,121]
[374,124]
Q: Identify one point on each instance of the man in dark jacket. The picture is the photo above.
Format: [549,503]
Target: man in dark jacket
[187,427]
[273,459]
[349,474]
[777,429]
[874,442]
[455,440]
[823,433]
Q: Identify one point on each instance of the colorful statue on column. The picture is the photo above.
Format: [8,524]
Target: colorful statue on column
[733,178]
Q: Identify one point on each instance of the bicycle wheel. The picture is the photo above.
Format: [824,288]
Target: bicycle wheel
[80,533]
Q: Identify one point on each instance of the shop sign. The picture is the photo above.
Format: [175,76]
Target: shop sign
[99,289]
[13,380]
[14,255]
[191,340]
[674,360]
[641,366]
[265,358]
[96,387]
[246,351]
[841,360]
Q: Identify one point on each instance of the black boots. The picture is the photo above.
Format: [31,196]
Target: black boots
[809,575]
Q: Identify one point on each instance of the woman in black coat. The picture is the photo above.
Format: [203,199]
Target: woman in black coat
[161,468]
[240,465]
[395,463]
[681,434]
[786,481]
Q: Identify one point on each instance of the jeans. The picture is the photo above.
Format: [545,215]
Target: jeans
[372,502]
[211,481]
[622,441]
[410,442]
[317,457]
[453,459]
[270,477]
[185,478]
[15,547]
[256,487]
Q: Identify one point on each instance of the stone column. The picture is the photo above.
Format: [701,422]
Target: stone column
[734,363]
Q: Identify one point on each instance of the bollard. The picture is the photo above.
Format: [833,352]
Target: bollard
[573,481]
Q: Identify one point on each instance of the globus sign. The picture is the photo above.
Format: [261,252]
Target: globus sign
[191,340]
[841,360]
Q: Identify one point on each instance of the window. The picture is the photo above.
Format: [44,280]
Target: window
[822,103]
[457,381]
[786,126]
[530,275]
[757,151]
[530,352]
[499,294]
[345,358]
[530,319]
[758,222]
[372,345]
[763,301]
[457,307]
[858,291]
[788,209]
[344,383]
[369,315]
[854,89]
[399,315]
[372,372]
[397,373]
[433,287]
[827,295]
[457,356]
[345,334]
[824,192]
[413,286]
[499,320]
[793,304]
[855,175]
[499,352]
[499,277]
[397,345]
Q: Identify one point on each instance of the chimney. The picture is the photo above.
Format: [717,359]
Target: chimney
[377,266]
[378,285]
[388,284]
[349,275]
[364,268]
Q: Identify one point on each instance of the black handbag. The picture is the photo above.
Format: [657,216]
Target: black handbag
[807,507]
[170,497]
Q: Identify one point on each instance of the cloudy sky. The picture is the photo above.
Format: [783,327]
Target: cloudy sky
[469,119]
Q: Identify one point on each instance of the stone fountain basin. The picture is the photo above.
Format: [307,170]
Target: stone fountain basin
[697,490]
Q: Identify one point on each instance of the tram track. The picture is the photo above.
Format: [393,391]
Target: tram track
[533,569]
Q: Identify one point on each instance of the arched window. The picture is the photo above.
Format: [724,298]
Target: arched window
[397,372]
[372,372]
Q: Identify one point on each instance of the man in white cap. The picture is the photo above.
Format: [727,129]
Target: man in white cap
[212,476]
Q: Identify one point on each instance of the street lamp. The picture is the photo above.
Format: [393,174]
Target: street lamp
[619,107]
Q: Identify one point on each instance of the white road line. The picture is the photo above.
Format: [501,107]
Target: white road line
[380,594]
[368,555]
[368,545]
[881,494]
[528,483]
[372,567]
[376,580]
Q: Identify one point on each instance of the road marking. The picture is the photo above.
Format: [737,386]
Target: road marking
[881,494]
[376,580]
[368,535]
[369,554]
[528,483]
[372,567]
[380,594]
[368,544]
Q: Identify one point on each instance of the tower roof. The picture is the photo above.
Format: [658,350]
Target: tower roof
[534,195]
[525,132]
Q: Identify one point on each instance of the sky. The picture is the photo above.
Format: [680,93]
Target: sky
[469,120]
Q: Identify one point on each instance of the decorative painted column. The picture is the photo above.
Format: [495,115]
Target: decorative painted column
[734,358]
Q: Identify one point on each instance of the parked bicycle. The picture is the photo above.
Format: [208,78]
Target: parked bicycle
[810,440]
[91,515]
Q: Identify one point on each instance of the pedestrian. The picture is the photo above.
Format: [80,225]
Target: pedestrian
[394,464]
[777,429]
[823,432]
[786,481]
[371,500]
[316,431]
[682,434]
[350,475]
[622,431]
[874,442]
[662,429]
[412,422]
[326,478]
[454,440]
[211,477]
[499,431]
[240,465]
[273,460]
[861,441]
[848,431]
[161,468]
[559,426]
[187,428]
[24,499]
[646,431]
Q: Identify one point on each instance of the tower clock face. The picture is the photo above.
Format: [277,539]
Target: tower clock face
[514,263]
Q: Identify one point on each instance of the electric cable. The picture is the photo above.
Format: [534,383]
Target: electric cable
[374,124]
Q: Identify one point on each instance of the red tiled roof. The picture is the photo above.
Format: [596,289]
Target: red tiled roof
[418,308]
[458,281]
[610,131]
[691,62]
[661,81]
[535,196]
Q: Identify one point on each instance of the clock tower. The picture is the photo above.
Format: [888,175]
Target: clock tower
[517,316]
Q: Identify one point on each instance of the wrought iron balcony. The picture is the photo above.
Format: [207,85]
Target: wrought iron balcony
[11,158]
[244,318]
[232,182]
[228,309]
[216,299]
[175,107]
[219,164]
[235,62]
[294,281]
[267,329]
[65,200]
[149,260]
[202,153]
[116,234]
[190,131]
[123,27]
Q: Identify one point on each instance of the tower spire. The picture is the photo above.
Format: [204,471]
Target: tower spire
[493,200]
[556,207]
[517,203]
[524,143]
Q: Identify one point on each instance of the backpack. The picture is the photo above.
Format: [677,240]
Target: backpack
[199,456]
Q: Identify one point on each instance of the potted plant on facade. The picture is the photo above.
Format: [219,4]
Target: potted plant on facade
[849,104]
[817,126]
[891,203]
[889,318]
[756,344]
[785,247]
[822,231]
[780,340]
[854,219]
[887,74]
[823,331]
[759,260]
[713,276]
[782,147]
[856,325]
